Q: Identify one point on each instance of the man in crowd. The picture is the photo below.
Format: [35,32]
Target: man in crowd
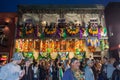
[110,68]
[12,70]
[103,71]
[29,74]
[69,73]
[88,71]
[116,72]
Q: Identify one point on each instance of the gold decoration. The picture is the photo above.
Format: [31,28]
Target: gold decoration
[25,45]
[43,23]
[93,31]
[73,31]
[79,75]
[79,57]
[35,54]
[91,48]
[71,55]
[53,55]
[44,54]
[47,31]
[30,29]
[31,45]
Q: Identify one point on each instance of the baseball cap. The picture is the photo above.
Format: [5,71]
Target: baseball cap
[17,56]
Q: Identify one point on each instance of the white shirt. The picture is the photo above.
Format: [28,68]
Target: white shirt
[10,72]
[35,69]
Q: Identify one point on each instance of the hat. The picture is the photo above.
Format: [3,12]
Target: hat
[73,59]
[17,56]
[116,64]
[89,61]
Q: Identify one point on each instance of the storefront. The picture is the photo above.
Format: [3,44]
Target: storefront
[64,31]
[7,29]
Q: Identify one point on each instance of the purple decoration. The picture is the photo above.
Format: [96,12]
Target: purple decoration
[80,33]
[36,31]
[58,33]
[99,35]
[87,42]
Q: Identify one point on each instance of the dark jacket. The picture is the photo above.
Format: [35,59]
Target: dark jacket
[116,74]
[41,72]
[28,75]
[103,73]
[55,73]
[95,72]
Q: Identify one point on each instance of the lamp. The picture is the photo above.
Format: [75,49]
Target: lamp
[7,20]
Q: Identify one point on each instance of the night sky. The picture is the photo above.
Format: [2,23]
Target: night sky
[11,5]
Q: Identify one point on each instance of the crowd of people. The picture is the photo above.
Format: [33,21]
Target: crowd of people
[21,68]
